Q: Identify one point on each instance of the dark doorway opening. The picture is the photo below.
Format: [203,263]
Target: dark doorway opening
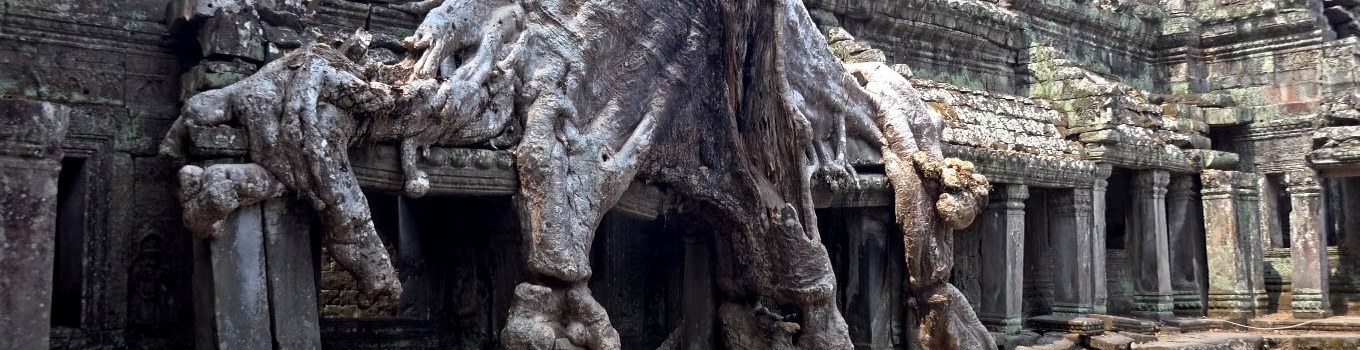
[68,268]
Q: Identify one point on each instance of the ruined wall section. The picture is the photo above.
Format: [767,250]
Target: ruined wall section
[113,64]
[124,68]
[1107,38]
[969,43]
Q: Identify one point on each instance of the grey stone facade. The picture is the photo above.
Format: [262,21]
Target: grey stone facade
[1154,165]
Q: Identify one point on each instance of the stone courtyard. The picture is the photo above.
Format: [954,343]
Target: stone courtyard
[1162,174]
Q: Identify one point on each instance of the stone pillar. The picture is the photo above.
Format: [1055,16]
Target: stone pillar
[1307,246]
[292,274]
[1099,287]
[1069,224]
[31,134]
[697,302]
[1228,254]
[1349,245]
[1002,229]
[1247,198]
[1184,229]
[1149,254]
[256,278]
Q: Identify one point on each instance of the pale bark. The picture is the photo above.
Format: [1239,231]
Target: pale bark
[737,106]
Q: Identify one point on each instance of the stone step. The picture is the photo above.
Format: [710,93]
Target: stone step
[1205,341]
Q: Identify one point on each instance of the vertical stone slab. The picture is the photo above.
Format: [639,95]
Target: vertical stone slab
[415,292]
[1247,195]
[1148,248]
[1038,259]
[870,295]
[967,273]
[699,307]
[1230,294]
[1271,233]
[1183,230]
[1349,244]
[1099,285]
[1070,230]
[1002,230]
[1308,246]
[292,275]
[31,135]
[235,315]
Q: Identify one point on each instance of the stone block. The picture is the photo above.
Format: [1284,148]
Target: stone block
[1226,116]
[1109,341]
[1210,159]
[239,35]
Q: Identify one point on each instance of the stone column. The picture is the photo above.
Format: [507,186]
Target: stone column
[1149,254]
[1307,246]
[1184,229]
[1099,288]
[1247,198]
[1069,224]
[1002,229]
[1227,253]
[254,286]
[696,300]
[31,134]
[1349,244]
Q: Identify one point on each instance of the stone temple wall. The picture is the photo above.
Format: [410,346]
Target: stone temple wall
[1151,161]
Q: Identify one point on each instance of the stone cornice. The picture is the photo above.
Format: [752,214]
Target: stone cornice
[1026,169]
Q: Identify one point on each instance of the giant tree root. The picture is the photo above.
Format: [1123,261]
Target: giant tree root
[736,105]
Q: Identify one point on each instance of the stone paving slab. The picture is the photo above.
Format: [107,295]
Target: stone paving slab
[1205,341]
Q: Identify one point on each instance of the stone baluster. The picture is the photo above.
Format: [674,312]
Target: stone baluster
[31,135]
[1148,250]
[1307,246]
[1099,289]
[1184,230]
[1069,225]
[1227,251]
[1002,231]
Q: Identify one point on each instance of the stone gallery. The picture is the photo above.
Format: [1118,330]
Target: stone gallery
[679,174]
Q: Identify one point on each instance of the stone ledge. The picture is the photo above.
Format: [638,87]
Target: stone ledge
[483,172]
[1027,169]
[1068,324]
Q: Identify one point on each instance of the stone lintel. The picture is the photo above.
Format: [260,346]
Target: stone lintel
[1141,157]
[452,171]
[1026,169]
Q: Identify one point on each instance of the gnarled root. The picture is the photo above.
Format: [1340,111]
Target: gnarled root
[540,315]
[963,192]
[949,322]
[210,194]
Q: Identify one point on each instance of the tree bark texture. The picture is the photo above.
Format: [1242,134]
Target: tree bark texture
[738,106]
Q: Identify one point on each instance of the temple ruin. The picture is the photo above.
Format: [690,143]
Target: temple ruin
[648,174]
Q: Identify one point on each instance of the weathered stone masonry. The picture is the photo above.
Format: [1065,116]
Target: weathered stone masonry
[1154,166]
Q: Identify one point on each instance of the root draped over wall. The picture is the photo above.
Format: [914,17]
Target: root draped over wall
[738,105]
